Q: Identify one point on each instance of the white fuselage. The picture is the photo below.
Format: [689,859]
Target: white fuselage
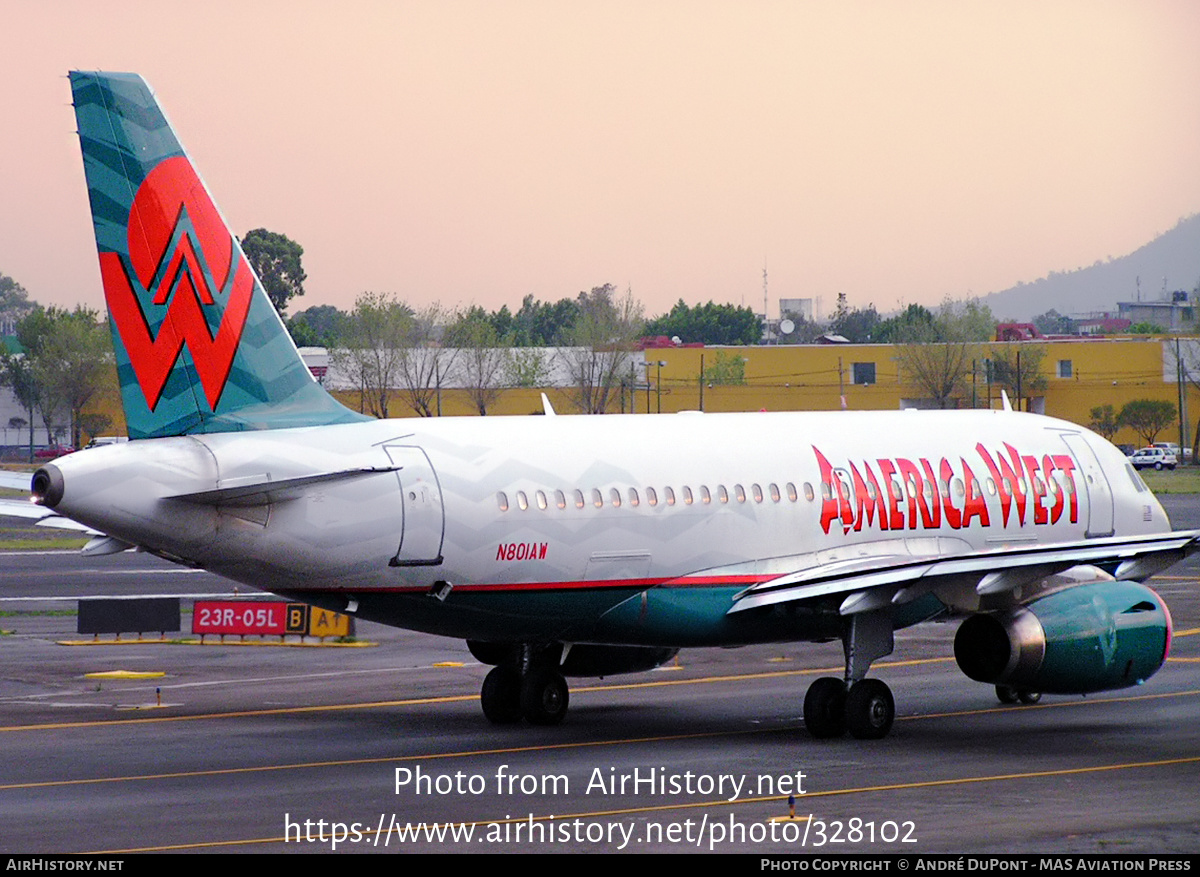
[485,502]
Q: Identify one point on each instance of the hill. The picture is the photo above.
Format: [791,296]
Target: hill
[1174,255]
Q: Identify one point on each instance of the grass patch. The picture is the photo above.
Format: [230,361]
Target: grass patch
[1182,480]
[52,543]
[19,613]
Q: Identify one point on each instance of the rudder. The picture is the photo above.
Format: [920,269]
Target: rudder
[199,346]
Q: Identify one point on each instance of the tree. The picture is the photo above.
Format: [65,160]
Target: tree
[708,324]
[913,322]
[727,369]
[423,363]
[600,345]
[16,374]
[936,353]
[69,358]
[1017,368]
[275,258]
[1185,356]
[856,325]
[1104,421]
[1054,323]
[14,304]
[1147,417]
[369,353]
[1145,328]
[318,326]
[538,324]
[482,358]
[527,367]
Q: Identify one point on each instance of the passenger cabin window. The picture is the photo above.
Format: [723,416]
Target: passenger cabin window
[597,498]
[668,496]
[633,497]
[651,496]
[722,494]
[687,495]
[739,492]
[579,501]
[541,500]
[705,496]
[560,499]
[522,501]
[615,496]
[502,500]
[757,492]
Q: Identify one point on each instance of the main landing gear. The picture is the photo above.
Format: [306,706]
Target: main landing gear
[1010,694]
[527,686]
[864,707]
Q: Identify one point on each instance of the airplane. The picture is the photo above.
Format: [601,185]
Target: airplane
[564,546]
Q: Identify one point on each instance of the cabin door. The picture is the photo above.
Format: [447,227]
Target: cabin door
[423,523]
[1095,482]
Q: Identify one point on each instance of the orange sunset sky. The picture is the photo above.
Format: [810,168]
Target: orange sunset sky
[476,152]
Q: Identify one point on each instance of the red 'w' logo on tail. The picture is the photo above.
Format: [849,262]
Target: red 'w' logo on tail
[182,258]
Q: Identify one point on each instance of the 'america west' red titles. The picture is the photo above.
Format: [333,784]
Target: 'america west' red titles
[904,494]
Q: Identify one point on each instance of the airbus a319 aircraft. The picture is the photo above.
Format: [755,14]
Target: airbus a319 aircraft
[561,546]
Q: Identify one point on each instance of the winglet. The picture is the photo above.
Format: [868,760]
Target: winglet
[1007,406]
[547,408]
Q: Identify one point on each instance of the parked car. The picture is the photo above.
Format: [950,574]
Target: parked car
[1180,454]
[1156,458]
[52,452]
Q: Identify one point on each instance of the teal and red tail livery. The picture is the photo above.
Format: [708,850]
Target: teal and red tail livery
[199,346]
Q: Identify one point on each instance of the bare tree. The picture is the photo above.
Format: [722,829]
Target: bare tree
[482,360]
[1184,355]
[423,363]
[936,352]
[376,333]
[600,345]
[1017,367]
[1104,421]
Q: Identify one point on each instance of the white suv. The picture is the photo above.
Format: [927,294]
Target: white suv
[1157,458]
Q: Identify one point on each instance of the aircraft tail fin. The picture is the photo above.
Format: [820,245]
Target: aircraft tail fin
[199,346]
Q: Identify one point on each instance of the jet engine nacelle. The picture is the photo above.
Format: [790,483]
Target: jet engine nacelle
[1088,638]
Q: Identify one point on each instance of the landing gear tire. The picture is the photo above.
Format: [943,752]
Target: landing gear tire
[501,696]
[870,709]
[1007,694]
[544,697]
[1029,697]
[825,708]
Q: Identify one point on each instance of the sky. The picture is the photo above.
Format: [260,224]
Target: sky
[476,152]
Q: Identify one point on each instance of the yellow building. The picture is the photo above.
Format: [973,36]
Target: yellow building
[1080,374]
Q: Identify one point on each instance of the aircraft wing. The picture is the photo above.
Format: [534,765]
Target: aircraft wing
[15,480]
[874,582]
[18,508]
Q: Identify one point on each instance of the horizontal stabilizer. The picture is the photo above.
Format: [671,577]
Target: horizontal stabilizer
[994,568]
[261,489]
